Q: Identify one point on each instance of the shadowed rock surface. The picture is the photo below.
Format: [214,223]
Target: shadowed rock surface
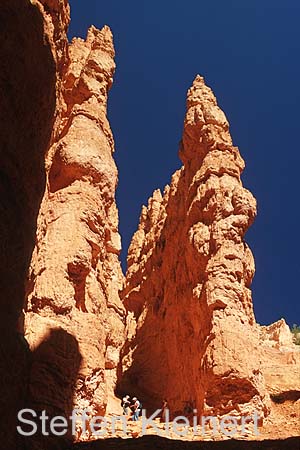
[188,279]
[181,326]
[75,273]
[154,442]
[27,92]
[59,222]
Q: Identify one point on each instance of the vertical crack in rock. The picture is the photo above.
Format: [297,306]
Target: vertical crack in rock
[191,327]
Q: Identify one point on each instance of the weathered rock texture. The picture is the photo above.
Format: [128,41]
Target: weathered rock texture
[191,335]
[280,361]
[75,273]
[27,112]
[59,221]
[191,328]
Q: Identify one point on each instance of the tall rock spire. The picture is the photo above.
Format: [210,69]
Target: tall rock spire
[189,275]
[73,304]
[205,126]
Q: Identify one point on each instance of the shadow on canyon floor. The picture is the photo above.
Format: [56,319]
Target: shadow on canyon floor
[159,443]
[40,380]
[53,371]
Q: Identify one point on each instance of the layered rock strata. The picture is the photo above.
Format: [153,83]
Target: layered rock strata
[191,329]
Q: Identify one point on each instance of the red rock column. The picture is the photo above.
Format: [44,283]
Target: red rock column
[192,336]
[74,317]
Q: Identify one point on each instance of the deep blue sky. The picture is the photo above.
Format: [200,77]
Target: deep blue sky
[248,51]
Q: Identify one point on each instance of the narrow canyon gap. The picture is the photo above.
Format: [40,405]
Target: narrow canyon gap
[180,325]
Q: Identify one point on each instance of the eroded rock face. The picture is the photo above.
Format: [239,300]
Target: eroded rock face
[191,335]
[280,361]
[191,328]
[75,273]
[27,114]
[277,335]
[59,221]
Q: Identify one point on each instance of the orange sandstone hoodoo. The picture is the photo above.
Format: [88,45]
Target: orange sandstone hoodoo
[191,332]
[184,327]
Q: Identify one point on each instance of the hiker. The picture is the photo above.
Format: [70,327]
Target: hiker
[164,410]
[135,407]
[125,404]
